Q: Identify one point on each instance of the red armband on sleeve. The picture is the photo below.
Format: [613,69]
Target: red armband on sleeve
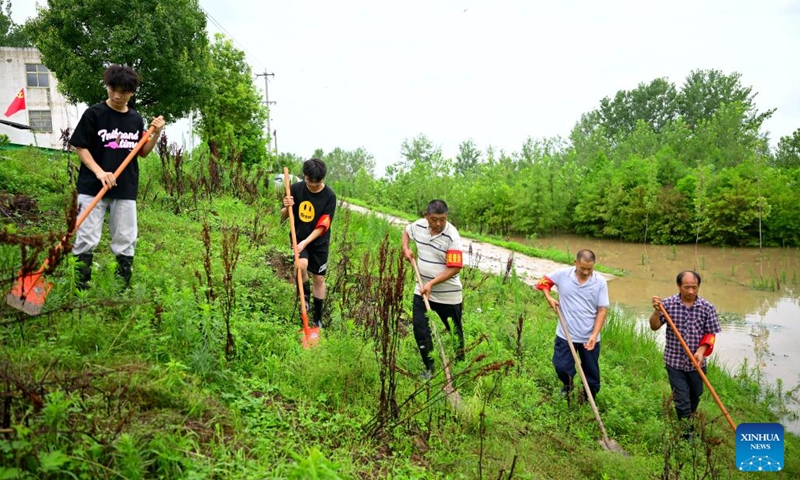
[708,341]
[324,223]
[545,284]
[454,259]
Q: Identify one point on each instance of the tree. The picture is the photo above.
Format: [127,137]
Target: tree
[653,103]
[724,139]
[344,165]
[788,153]
[232,115]
[469,156]
[164,42]
[11,34]
[733,209]
[705,91]
[286,159]
[420,149]
[423,175]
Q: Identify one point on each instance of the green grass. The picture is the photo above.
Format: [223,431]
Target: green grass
[138,385]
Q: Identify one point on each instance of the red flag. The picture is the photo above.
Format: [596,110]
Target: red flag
[18,103]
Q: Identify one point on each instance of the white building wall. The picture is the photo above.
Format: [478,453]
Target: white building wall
[13,77]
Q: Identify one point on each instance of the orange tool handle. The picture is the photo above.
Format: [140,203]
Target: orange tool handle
[303,311]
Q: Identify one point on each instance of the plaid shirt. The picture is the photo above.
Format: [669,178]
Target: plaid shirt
[693,323]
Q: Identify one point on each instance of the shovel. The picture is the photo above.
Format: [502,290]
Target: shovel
[697,366]
[310,336]
[606,443]
[452,394]
[30,289]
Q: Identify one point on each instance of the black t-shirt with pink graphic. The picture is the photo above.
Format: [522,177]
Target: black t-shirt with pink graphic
[109,136]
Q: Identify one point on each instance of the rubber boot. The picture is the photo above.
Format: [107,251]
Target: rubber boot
[84,270]
[125,269]
[319,304]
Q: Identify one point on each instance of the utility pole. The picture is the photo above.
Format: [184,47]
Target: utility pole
[267,102]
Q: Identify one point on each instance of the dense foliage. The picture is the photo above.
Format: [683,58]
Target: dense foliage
[655,164]
[232,116]
[165,42]
[11,34]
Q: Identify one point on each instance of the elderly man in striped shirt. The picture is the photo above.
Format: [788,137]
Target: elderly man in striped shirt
[696,320]
[440,261]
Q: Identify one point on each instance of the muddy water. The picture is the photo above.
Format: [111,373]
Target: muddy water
[760,323]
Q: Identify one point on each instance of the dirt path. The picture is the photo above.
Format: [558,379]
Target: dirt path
[489,258]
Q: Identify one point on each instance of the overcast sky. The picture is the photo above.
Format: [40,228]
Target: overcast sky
[360,73]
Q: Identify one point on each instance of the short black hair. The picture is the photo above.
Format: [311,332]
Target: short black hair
[679,278]
[436,207]
[121,77]
[315,169]
[586,255]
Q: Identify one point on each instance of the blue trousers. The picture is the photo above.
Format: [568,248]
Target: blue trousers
[565,364]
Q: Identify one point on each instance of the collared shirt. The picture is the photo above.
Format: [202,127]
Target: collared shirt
[693,323]
[579,303]
[432,259]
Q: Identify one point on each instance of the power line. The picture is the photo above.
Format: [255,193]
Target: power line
[219,26]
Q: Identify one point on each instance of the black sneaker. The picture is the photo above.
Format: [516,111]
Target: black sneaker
[426,375]
[564,391]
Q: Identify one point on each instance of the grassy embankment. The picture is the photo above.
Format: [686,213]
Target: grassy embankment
[148,384]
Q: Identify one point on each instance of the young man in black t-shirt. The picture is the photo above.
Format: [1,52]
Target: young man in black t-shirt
[313,204]
[105,135]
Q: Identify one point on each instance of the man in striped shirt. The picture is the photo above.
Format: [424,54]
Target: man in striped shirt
[696,320]
[440,261]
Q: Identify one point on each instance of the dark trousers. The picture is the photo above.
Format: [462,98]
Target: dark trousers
[565,364]
[686,390]
[422,331]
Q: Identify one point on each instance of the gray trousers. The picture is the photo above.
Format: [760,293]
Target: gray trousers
[122,223]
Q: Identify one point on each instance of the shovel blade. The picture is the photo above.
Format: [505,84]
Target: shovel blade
[310,337]
[29,293]
[612,446]
[454,398]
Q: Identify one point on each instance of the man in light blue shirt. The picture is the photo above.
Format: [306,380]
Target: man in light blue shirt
[583,299]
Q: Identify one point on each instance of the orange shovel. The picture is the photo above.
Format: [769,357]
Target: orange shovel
[310,334]
[30,290]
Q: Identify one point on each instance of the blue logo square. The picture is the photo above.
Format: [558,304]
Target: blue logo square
[759,447]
